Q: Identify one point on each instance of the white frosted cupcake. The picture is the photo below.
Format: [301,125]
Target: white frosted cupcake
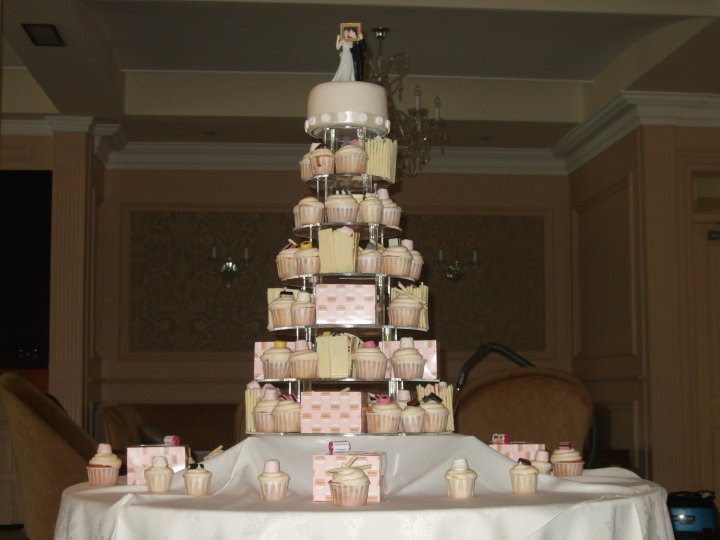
[417,261]
[197,481]
[286,417]
[273,482]
[369,261]
[404,310]
[322,160]
[304,362]
[306,172]
[341,208]
[383,418]
[542,462]
[307,259]
[369,362]
[159,476]
[460,480]
[391,211]
[281,310]
[286,264]
[351,159]
[303,310]
[412,419]
[103,467]
[262,413]
[276,361]
[436,417]
[523,478]
[407,361]
[396,261]
[371,209]
[310,211]
[567,461]
[349,485]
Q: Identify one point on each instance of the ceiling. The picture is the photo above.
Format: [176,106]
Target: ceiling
[510,74]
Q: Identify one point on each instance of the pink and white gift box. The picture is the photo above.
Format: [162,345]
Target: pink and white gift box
[332,412]
[345,304]
[517,450]
[260,348]
[428,349]
[140,458]
[376,473]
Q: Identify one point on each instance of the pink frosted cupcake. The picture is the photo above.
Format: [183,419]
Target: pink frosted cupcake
[276,361]
[567,461]
[304,361]
[523,478]
[349,485]
[322,160]
[436,417]
[396,261]
[412,419]
[404,310]
[407,361]
[383,418]
[369,261]
[341,208]
[351,159]
[273,482]
[286,417]
[104,467]
[369,362]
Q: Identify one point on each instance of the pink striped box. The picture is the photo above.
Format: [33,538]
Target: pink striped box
[346,304]
[428,349]
[140,458]
[517,450]
[376,473]
[332,412]
[260,348]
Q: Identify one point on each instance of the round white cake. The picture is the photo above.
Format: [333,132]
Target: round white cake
[347,103]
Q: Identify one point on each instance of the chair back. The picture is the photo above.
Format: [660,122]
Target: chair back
[51,452]
[531,404]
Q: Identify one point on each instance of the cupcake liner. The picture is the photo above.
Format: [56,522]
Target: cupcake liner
[368,265]
[306,172]
[382,423]
[370,368]
[275,489]
[264,422]
[351,163]
[435,422]
[286,421]
[461,488]
[415,270]
[304,368]
[276,369]
[410,368]
[412,424]
[370,214]
[303,316]
[524,484]
[349,495]
[342,214]
[158,483]
[308,265]
[197,485]
[404,316]
[102,476]
[391,216]
[286,267]
[322,164]
[569,468]
[308,215]
[281,317]
[396,266]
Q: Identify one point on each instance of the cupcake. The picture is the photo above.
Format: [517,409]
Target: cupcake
[310,211]
[159,476]
[369,362]
[351,159]
[460,480]
[542,462]
[369,261]
[286,417]
[303,309]
[262,413]
[341,208]
[404,310]
[273,482]
[396,261]
[307,259]
[403,398]
[321,160]
[276,361]
[391,211]
[567,461]
[103,467]
[304,361]
[417,260]
[407,361]
[436,417]
[280,310]
[412,419]
[383,418]
[523,478]
[197,480]
[349,485]
[306,172]
[285,262]
[371,209]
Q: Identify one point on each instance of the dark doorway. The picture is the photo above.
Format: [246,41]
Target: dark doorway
[25,268]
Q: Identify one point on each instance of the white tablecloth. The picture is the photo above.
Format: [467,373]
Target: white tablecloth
[602,504]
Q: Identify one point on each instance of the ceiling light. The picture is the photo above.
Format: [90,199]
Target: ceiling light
[44,35]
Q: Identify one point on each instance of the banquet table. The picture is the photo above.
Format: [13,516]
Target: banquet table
[601,504]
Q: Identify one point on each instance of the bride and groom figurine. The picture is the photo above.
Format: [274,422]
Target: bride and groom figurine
[351,44]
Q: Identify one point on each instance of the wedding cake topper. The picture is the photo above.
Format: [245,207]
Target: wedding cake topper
[351,44]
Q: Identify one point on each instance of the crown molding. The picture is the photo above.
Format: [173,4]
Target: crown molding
[24,127]
[108,138]
[70,124]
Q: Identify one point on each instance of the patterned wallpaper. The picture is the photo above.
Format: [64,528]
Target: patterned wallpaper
[179,303]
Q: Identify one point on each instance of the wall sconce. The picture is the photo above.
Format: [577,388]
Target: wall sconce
[456,269]
[228,268]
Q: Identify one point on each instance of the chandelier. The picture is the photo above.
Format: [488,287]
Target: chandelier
[416,133]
